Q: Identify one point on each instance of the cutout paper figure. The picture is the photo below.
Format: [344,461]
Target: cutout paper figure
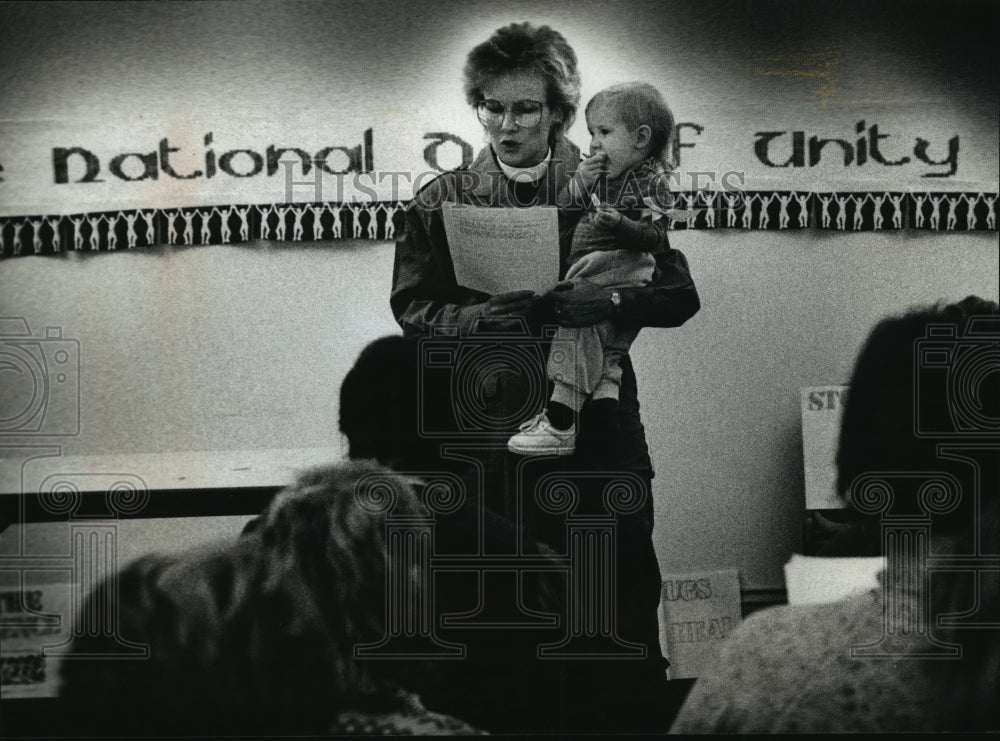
[95,223]
[825,210]
[765,217]
[897,210]
[803,200]
[390,214]
[748,211]
[206,229]
[279,232]
[265,228]
[708,198]
[858,220]
[918,218]
[783,216]
[77,222]
[936,211]
[877,199]
[130,236]
[17,238]
[356,221]
[36,234]
[337,226]
[317,212]
[188,218]
[841,212]
[56,240]
[732,204]
[171,227]
[112,232]
[952,214]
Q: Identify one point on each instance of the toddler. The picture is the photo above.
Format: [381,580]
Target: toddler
[631,130]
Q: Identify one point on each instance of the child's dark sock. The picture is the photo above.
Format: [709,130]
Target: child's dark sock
[560,415]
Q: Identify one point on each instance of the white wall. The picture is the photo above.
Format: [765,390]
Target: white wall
[236,348]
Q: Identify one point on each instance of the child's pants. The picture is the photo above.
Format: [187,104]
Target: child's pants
[586,361]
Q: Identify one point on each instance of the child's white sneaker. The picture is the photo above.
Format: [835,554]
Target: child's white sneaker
[539,437]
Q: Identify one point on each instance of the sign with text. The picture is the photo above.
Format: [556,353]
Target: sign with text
[821,410]
[699,610]
[341,104]
[31,619]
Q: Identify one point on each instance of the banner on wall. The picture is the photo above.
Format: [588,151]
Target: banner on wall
[768,135]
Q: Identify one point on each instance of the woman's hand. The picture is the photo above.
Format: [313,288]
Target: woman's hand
[515,303]
[580,303]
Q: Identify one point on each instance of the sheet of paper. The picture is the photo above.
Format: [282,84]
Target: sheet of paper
[821,410]
[496,250]
[698,611]
[816,580]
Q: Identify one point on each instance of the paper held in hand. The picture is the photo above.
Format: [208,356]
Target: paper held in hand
[496,250]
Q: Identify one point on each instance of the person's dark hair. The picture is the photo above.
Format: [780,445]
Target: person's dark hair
[523,47]
[893,392]
[386,404]
[927,377]
[638,104]
[258,638]
[203,672]
[324,561]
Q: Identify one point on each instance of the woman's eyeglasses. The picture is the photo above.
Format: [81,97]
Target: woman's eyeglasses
[526,113]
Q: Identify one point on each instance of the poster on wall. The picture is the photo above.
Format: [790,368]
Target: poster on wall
[320,121]
[698,611]
[821,410]
[32,619]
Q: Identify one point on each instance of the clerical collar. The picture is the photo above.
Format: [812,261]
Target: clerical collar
[526,174]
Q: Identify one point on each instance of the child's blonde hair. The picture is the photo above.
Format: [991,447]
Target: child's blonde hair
[638,104]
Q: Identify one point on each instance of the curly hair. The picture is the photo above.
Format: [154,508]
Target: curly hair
[259,638]
[522,47]
[187,611]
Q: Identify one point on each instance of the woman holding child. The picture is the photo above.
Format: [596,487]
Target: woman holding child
[524,85]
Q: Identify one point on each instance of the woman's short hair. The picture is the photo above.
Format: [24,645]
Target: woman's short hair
[523,47]
[640,104]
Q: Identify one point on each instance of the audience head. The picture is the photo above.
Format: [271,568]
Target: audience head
[259,637]
[928,377]
[190,613]
[900,395]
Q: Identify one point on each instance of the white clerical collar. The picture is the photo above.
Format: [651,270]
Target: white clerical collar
[526,174]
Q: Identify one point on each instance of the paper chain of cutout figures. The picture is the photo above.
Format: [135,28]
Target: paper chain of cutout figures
[117,230]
